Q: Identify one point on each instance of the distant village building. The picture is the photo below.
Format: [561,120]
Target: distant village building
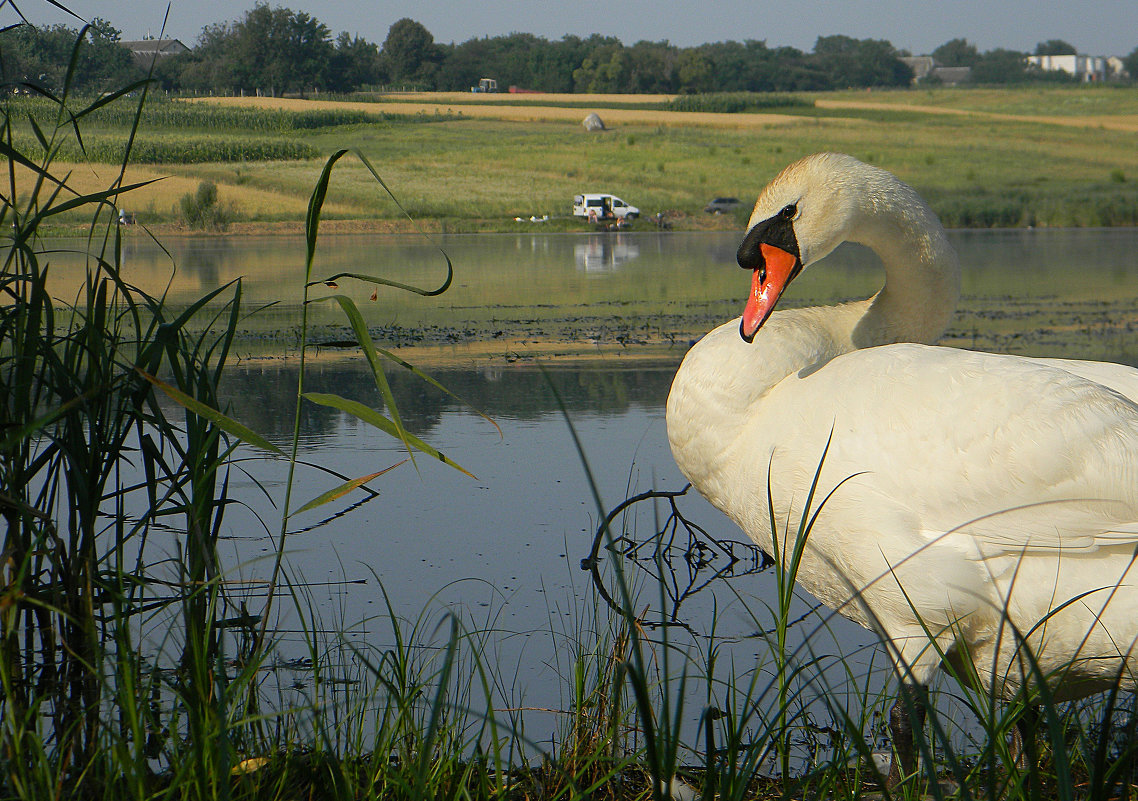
[1088,69]
[1116,67]
[920,65]
[146,51]
[951,76]
[926,68]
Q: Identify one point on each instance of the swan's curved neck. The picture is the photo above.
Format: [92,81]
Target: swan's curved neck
[722,377]
[922,278]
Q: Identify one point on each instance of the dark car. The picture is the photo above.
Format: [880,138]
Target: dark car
[721,204]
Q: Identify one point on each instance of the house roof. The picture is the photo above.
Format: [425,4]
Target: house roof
[146,51]
[161,47]
[952,75]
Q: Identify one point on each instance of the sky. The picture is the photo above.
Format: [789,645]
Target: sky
[1094,27]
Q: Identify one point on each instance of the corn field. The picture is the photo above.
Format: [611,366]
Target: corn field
[179,132]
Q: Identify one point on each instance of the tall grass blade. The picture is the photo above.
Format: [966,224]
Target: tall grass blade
[342,490]
[374,279]
[359,328]
[373,418]
[226,424]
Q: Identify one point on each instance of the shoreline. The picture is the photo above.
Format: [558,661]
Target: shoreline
[466,226]
[487,353]
[678,223]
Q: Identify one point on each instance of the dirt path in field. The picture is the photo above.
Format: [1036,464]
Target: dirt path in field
[523,112]
[1117,122]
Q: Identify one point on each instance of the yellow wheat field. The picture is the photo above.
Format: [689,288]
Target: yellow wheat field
[527,110]
[168,185]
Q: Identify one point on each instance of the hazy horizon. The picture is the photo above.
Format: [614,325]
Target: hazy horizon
[1094,27]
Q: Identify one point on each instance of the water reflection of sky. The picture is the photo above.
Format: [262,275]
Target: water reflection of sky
[503,549]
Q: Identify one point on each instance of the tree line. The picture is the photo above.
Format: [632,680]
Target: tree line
[280,51]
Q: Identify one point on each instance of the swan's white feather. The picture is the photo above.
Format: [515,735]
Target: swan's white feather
[968,494]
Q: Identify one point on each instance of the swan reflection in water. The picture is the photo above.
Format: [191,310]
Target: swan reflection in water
[679,556]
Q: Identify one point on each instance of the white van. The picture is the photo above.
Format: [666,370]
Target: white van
[603,207]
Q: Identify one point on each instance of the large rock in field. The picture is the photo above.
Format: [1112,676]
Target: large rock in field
[593,123]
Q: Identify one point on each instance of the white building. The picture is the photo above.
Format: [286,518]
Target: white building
[1089,69]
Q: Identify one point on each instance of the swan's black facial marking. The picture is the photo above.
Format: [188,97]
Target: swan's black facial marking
[770,252]
[777,230]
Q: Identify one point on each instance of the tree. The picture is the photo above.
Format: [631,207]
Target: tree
[355,63]
[1055,47]
[860,62]
[1001,66]
[36,55]
[462,65]
[104,63]
[41,56]
[210,66]
[518,59]
[653,67]
[1130,63]
[167,72]
[410,54]
[736,66]
[282,50]
[567,55]
[601,69]
[956,53]
[695,71]
[275,50]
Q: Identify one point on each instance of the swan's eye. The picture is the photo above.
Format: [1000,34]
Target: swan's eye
[788,212]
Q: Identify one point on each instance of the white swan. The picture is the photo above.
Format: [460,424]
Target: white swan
[975,497]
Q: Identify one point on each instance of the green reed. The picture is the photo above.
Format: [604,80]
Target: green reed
[96,474]
[81,424]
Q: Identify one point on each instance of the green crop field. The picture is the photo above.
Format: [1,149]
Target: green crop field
[983,157]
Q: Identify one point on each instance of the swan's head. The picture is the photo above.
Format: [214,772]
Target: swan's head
[802,215]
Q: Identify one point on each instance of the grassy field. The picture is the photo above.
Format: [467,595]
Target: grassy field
[983,157]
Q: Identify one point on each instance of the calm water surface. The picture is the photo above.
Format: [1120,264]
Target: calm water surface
[504,549]
[1020,287]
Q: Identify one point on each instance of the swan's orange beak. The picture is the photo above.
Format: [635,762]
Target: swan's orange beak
[767,284]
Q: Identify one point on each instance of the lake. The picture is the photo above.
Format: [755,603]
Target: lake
[527,296]
[564,341]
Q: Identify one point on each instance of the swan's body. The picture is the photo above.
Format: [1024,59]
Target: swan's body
[971,495]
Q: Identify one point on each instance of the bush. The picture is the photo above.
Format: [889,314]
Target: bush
[1093,206]
[202,210]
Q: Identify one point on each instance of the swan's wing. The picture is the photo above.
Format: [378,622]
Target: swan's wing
[996,454]
[1119,377]
[1067,526]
